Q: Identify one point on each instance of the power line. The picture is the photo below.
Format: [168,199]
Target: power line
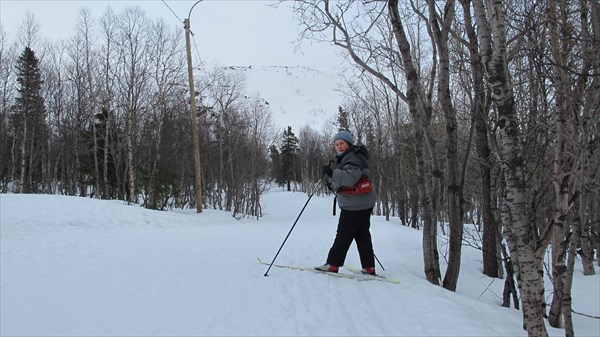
[178,18]
[191,33]
[196,48]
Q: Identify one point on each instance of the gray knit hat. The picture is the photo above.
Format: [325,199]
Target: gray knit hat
[345,136]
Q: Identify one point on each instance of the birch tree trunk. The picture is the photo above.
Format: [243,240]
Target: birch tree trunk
[440,26]
[417,107]
[492,36]
[92,94]
[83,57]
[129,126]
[591,108]
[479,111]
[570,80]
[7,163]
[108,33]
[23,147]
[135,53]
[588,12]
[561,176]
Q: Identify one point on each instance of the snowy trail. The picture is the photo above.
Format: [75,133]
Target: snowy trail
[82,267]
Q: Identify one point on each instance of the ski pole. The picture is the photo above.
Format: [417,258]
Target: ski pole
[294,225]
[378,261]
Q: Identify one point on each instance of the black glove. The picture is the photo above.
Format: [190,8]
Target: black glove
[327,171]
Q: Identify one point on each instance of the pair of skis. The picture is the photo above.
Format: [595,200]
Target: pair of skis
[353,273]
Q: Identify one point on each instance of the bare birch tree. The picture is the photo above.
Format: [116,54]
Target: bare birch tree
[85,31]
[7,138]
[167,66]
[133,77]
[107,93]
[573,62]
[60,118]
[492,36]
[480,114]
[440,26]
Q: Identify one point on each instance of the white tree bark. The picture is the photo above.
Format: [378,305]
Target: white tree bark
[491,22]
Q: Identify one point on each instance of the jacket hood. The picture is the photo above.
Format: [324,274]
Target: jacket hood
[361,149]
[357,154]
[358,149]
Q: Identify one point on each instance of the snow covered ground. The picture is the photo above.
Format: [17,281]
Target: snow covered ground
[81,267]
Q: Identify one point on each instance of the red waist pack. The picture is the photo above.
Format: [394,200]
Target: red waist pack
[362,186]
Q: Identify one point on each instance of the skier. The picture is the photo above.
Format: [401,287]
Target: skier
[356,199]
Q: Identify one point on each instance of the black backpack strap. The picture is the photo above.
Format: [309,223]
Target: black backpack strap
[334,201]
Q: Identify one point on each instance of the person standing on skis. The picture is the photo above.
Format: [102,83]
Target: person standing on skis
[350,179]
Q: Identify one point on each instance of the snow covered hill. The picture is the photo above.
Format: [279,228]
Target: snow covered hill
[297,95]
[80,267]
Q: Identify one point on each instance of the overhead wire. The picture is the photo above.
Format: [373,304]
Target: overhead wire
[197,51]
[163,1]
[191,33]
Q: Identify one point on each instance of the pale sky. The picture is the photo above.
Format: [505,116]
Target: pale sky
[226,32]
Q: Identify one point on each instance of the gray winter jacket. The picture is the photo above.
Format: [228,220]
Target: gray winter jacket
[351,165]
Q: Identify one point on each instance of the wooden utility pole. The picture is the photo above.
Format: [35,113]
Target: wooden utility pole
[195,139]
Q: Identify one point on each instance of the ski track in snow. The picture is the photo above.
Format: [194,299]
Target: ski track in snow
[80,267]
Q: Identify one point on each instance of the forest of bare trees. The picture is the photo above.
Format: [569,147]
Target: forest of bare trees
[499,100]
[105,114]
[477,113]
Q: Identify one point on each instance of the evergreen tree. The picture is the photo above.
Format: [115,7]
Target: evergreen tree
[289,151]
[276,165]
[29,121]
[107,139]
[342,120]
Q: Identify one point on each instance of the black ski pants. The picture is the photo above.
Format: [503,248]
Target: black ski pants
[353,225]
